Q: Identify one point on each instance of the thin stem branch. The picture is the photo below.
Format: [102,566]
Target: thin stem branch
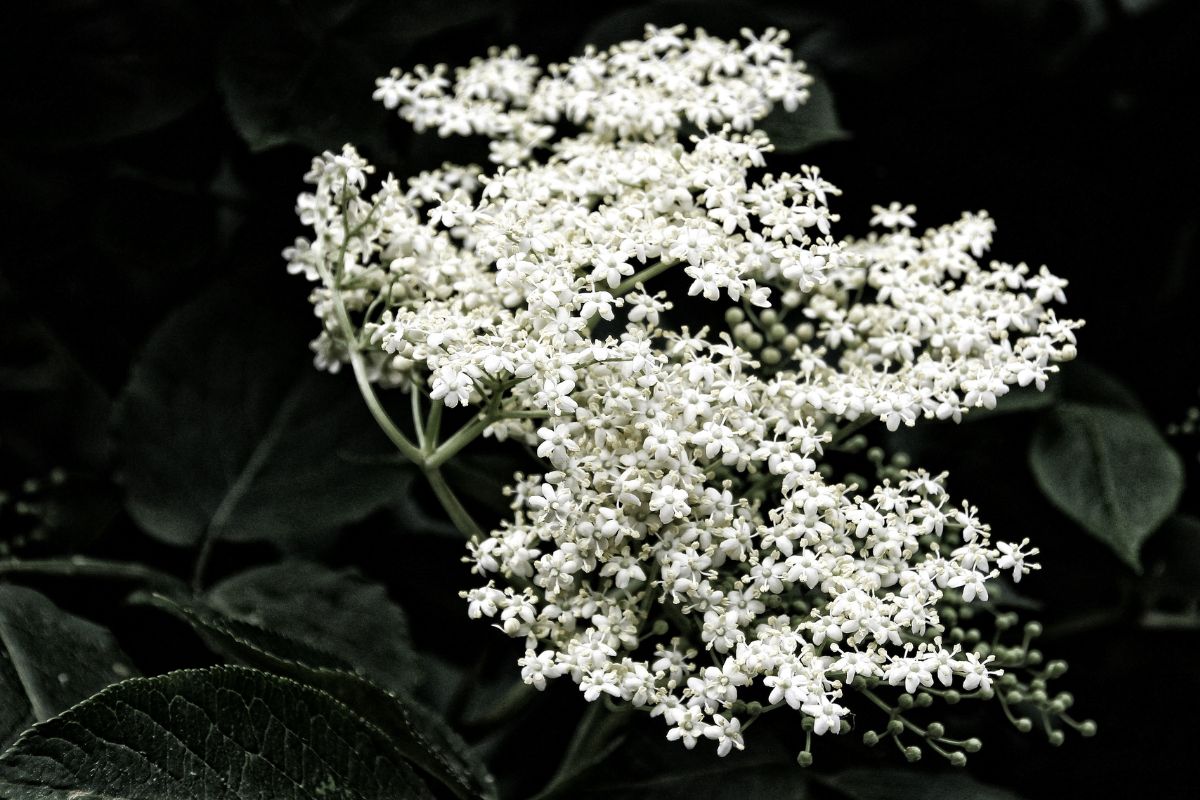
[642,276]
[418,419]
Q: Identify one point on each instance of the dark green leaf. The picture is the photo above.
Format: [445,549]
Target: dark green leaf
[416,732]
[223,733]
[49,660]
[54,412]
[226,430]
[1085,383]
[815,122]
[1018,401]
[873,783]
[303,72]
[1110,470]
[717,18]
[645,765]
[89,72]
[1172,558]
[338,611]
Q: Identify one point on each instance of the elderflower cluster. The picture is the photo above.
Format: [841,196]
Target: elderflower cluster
[687,548]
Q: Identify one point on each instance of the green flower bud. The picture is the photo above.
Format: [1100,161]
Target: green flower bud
[972,745]
[905,701]
[935,729]
[870,738]
[1024,724]
[771,356]
[805,759]
[1034,657]
[958,759]
[733,316]
[1056,668]
[754,341]
[776,332]
[952,697]
[912,753]
[660,627]
[895,727]
[1033,629]
[924,700]
[1087,728]
[1056,738]
[768,316]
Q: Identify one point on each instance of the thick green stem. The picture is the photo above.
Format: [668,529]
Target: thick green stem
[450,502]
[461,438]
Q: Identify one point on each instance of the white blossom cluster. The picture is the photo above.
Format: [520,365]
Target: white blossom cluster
[687,549]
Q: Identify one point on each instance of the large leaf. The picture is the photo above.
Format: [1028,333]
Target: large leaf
[1109,469]
[873,783]
[303,72]
[225,430]
[223,733]
[816,122]
[90,71]
[642,764]
[49,660]
[415,731]
[335,610]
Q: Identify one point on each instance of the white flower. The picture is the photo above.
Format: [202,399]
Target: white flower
[1013,557]
[727,732]
[690,541]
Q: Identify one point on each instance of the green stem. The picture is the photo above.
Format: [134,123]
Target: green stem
[450,502]
[851,428]
[418,419]
[461,438]
[433,423]
[585,749]
[641,277]
[410,450]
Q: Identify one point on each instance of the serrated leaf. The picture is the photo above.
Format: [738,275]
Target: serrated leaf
[873,783]
[223,733]
[49,660]
[416,732]
[302,73]
[1110,470]
[226,430]
[335,610]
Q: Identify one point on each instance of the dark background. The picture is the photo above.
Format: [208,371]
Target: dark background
[155,148]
